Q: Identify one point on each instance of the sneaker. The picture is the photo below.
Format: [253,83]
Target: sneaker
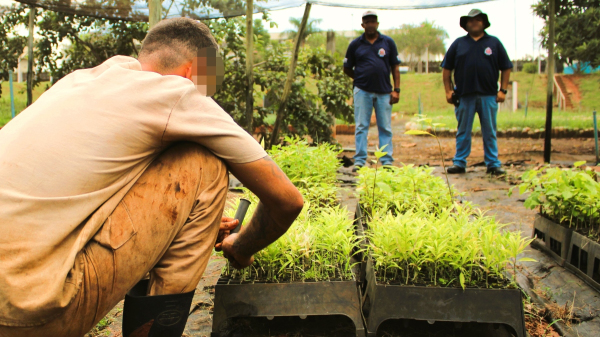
[356,168]
[455,169]
[496,171]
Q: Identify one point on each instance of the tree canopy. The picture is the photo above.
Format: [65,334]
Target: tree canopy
[416,39]
[576,30]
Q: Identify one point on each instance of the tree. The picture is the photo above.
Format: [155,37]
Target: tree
[311,28]
[577,35]
[416,40]
[11,46]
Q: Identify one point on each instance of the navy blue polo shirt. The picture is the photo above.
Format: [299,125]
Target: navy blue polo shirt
[476,64]
[372,63]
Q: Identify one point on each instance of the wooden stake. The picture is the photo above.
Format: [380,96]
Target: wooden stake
[30,55]
[290,77]
[155,7]
[550,71]
[249,66]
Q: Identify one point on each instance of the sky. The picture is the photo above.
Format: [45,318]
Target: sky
[501,14]
[511,20]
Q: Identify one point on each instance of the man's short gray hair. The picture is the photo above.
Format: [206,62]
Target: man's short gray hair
[175,41]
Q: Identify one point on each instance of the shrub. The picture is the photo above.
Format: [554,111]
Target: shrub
[530,68]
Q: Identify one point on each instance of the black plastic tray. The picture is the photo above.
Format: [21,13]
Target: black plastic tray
[584,259]
[551,238]
[498,306]
[382,302]
[287,299]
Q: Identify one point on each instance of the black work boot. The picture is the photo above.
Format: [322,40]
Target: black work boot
[356,168]
[455,169]
[497,171]
[154,316]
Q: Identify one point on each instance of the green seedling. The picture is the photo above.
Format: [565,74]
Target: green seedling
[454,247]
[569,196]
[429,122]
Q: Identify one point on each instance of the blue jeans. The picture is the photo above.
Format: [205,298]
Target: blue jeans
[487,108]
[364,102]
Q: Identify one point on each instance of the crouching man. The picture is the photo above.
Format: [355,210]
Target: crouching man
[122,170]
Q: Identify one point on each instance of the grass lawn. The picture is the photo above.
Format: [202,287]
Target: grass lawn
[431,88]
[589,86]
[536,119]
[20,92]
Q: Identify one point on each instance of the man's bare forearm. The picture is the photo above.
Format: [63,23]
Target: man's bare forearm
[446,75]
[261,231]
[504,79]
[396,76]
[280,203]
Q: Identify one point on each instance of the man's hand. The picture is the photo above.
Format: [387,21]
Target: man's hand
[227,224]
[394,97]
[449,97]
[237,260]
[500,97]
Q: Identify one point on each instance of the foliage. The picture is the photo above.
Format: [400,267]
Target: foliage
[530,68]
[576,29]
[416,39]
[11,47]
[312,170]
[304,113]
[335,87]
[317,247]
[453,247]
[570,196]
[311,28]
[319,244]
[93,40]
[400,189]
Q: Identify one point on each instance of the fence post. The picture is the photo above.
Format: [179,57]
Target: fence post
[12,95]
[596,137]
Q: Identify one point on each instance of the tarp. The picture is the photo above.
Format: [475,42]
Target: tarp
[132,10]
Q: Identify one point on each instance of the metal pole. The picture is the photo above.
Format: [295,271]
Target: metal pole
[249,66]
[155,8]
[12,95]
[550,71]
[30,56]
[290,77]
[596,138]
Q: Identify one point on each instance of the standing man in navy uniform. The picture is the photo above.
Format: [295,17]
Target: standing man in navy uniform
[369,60]
[476,59]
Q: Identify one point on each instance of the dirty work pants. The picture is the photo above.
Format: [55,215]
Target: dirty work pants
[364,102]
[166,225]
[487,108]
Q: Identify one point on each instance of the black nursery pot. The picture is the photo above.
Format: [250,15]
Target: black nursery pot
[286,299]
[551,238]
[584,259]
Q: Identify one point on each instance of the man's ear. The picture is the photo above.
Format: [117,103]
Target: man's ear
[188,71]
[362,25]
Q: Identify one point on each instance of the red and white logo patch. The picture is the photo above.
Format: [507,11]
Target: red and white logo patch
[381,52]
[488,51]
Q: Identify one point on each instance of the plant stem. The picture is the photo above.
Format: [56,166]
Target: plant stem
[443,164]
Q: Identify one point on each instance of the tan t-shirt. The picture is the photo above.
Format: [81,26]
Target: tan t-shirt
[67,161]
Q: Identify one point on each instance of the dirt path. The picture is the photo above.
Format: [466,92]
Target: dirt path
[424,149]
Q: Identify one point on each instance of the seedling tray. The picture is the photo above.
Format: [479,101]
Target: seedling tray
[286,299]
[584,259]
[381,302]
[551,238]
[498,306]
